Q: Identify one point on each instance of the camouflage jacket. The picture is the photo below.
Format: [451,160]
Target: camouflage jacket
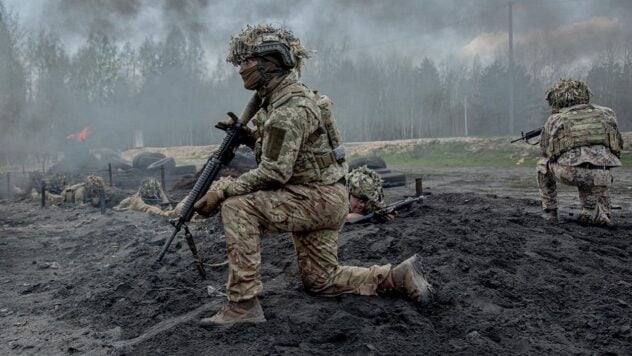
[598,155]
[291,143]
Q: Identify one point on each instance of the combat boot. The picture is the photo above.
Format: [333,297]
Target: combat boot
[245,311]
[407,280]
[550,215]
[601,217]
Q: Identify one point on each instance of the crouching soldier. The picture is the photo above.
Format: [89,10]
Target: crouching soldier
[298,187]
[579,145]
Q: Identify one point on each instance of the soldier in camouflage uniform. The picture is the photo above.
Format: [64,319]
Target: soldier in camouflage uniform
[54,187]
[91,191]
[150,198]
[580,143]
[298,187]
[365,193]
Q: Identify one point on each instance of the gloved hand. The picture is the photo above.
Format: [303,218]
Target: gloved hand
[249,136]
[224,125]
[210,203]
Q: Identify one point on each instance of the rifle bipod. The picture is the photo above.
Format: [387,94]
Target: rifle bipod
[189,239]
[196,257]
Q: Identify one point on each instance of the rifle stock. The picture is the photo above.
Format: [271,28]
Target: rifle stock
[400,204]
[222,156]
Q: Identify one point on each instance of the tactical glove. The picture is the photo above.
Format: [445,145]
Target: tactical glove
[248,137]
[210,203]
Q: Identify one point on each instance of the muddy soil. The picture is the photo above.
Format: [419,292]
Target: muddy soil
[74,281]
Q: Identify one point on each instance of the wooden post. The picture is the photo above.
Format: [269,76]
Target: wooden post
[110,173]
[162,177]
[43,192]
[418,187]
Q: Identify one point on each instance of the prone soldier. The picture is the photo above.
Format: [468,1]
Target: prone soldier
[150,198]
[365,194]
[91,191]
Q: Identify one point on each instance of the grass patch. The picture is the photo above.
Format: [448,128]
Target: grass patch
[462,154]
[626,159]
[496,153]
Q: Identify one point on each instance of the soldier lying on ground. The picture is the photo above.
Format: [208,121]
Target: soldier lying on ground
[150,198]
[365,193]
[580,143]
[298,186]
[91,191]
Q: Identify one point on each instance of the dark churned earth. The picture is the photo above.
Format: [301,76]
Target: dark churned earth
[74,281]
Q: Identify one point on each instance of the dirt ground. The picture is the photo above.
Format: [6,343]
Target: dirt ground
[74,281]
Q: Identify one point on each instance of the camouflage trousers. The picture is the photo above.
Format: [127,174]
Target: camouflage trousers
[314,215]
[592,184]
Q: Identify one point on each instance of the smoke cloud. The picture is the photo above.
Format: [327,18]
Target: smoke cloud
[411,29]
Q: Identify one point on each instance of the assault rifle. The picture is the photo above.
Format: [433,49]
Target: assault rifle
[389,209]
[235,133]
[529,135]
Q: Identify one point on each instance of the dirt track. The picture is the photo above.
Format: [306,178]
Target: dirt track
[75,281]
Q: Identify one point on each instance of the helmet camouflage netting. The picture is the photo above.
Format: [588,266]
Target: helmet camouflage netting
[95,186]
[264,39]
[364,183]
[568,92]
[150,191]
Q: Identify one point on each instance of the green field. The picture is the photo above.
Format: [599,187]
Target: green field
[468,154]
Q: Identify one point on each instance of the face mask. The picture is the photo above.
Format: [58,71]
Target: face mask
[251,77]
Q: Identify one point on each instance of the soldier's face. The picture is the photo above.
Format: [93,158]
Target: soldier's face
[247,64]
[357,205]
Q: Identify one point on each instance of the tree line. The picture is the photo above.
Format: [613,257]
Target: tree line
[167,89]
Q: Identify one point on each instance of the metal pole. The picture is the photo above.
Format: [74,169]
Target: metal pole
[43,192]
[511,71]
[465,116]
[110,173]
[418,187]
[162,177]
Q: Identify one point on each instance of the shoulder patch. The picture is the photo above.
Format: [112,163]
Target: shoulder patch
[275,142]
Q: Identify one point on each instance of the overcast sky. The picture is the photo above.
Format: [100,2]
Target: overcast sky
[577,29]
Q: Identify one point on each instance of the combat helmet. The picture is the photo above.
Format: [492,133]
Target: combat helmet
[150,191]
[366,184]
[264,40]
[95,187]
[568,92]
